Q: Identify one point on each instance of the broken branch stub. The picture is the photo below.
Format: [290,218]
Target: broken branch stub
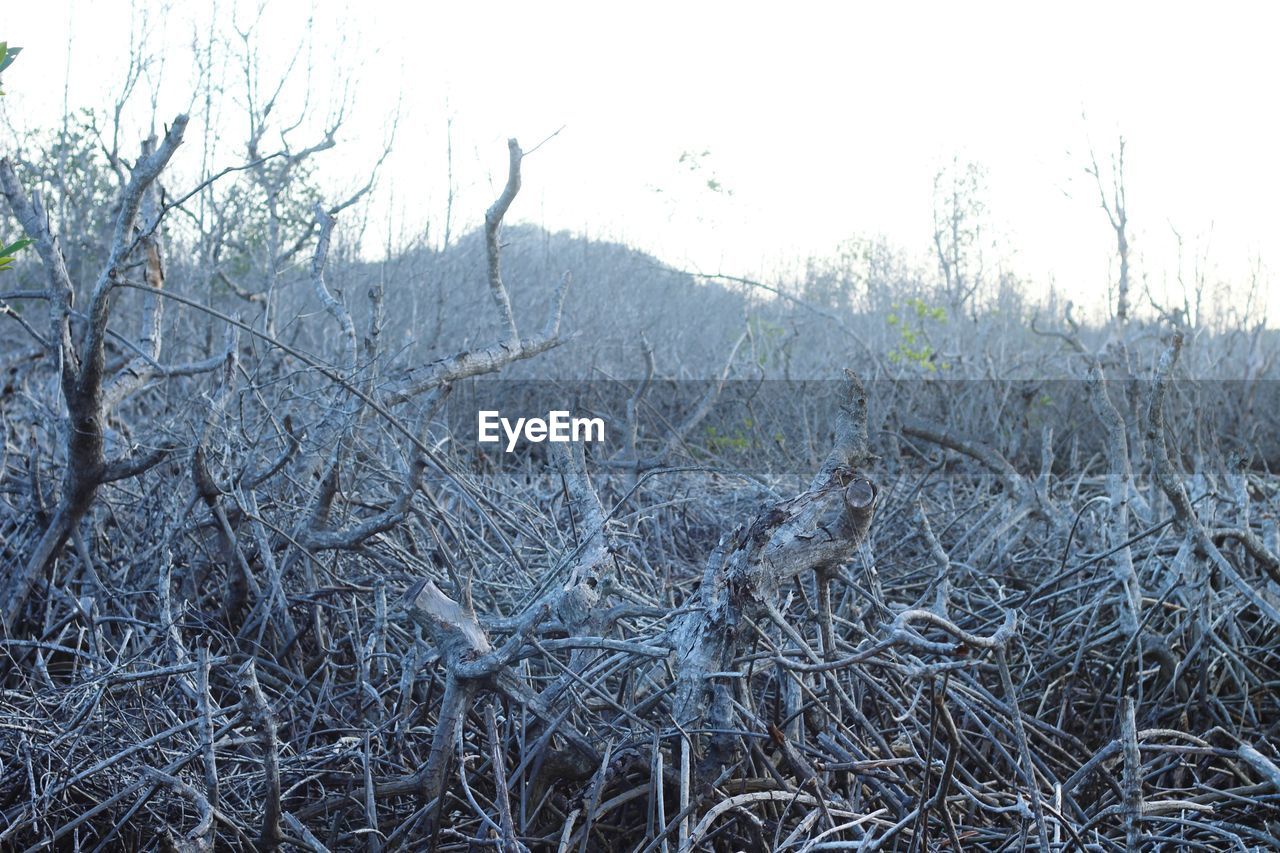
[454,629]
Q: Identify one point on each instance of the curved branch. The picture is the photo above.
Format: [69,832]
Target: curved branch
[492,222]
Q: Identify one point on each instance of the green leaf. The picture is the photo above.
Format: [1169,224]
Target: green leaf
[8,55]
[6,253]
[17,246]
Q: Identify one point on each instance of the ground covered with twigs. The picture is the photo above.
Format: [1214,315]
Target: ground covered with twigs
[987,589]
[1068,645]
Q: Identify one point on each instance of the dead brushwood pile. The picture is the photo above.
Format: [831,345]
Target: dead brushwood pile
[272,605]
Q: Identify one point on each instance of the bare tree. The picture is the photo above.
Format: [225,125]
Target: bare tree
[1115,204]
[958,214]
[87,389]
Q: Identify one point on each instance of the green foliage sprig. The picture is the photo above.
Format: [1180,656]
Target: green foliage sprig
[7,56]
[913,346]
[7,252]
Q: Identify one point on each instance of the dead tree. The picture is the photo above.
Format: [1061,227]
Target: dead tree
[816,531]
[437,376]
[1117,210]
[512,346]
[87,390]
[958,211]
[1184,511]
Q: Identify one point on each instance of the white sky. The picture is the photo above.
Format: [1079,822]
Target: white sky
[826,120]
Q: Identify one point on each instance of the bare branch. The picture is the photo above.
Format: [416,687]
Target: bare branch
[492,221]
